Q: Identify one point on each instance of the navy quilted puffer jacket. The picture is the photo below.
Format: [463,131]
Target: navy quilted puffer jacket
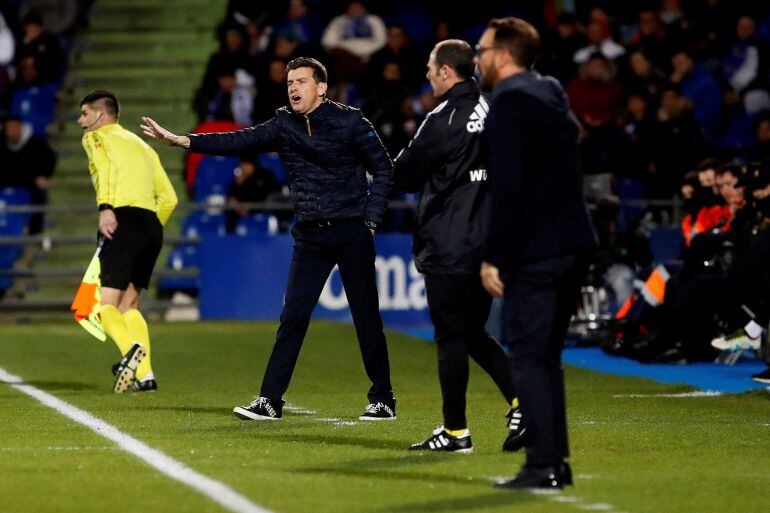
[326,155]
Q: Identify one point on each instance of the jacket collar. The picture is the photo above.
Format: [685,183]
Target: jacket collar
[466,87]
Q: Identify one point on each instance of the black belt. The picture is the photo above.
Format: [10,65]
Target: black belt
[325,223]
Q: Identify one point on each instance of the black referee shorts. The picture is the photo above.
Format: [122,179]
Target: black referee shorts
[131,254]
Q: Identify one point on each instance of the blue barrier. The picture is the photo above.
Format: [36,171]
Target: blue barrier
[244,278]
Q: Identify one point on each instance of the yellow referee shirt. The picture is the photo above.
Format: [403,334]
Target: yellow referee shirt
[126,172]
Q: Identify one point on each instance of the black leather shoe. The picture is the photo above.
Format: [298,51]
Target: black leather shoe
[566,473]
[535,477]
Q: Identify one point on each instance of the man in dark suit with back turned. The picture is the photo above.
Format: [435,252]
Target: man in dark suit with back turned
[539,236]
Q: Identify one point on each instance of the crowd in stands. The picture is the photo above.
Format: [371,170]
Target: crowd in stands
[658,86]
[673,97]
[35,38]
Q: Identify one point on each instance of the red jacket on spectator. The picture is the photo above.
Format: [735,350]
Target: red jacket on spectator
[708,218]
[593,101]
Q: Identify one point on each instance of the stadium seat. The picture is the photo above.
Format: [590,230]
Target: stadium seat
[257,224]
[214,176]
[36,106]
[13,223]
[666,243]
[628,190]
[202,224]
[272,162]
[181,257]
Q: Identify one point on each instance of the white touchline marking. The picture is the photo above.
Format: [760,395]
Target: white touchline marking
[697,393]
[216,491]
[297,409]
[338,422]
[596,507]
[565,498]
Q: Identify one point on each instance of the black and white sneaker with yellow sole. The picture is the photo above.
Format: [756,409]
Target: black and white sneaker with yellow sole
[441,441]
[260,408]
[125,374]
[379,411]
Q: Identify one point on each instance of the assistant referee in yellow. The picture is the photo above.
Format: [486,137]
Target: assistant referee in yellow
[135,199]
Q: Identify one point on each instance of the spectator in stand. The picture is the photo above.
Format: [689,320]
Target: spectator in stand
[383,107]
[644,76]
[39,57]
[595,95]
[635,154]
[396,50]
[58,16]
[761,150]
[271,94]
[232,56]
[28,162]
[679,145]
[560,47]
[742,67]
[233,99]
[698,85]
[300,24]
[252,184]
[651,38]
[7,43]
[7,49]
[352,38]
[599,40]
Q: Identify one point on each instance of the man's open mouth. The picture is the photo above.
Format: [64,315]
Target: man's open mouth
[295,98]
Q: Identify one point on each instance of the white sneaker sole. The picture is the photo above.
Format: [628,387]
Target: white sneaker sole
[243,413]
[375,419]
[125,379]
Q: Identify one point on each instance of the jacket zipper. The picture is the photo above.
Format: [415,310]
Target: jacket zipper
[307,124]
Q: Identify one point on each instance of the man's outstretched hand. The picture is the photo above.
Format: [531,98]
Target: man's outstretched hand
[154,130]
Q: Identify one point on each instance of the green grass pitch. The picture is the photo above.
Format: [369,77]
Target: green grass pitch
[632,455]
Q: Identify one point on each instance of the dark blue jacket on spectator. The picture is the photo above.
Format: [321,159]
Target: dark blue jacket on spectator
[704,92]
[326,154]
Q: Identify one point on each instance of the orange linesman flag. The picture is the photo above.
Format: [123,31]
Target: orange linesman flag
[87,302]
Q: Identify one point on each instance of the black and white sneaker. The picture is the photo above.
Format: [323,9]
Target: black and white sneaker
[441,441]
[379,411]
[126,371]
[260,408]
[517,432]
[146,385]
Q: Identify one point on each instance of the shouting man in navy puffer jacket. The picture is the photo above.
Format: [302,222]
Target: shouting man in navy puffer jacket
[326,148]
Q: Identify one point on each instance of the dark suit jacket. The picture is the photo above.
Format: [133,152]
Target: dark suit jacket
[538,209]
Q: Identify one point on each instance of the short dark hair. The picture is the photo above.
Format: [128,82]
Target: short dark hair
[458,55]
[110,101]
[319,70]
[519,37]
[709,163]
[32,18]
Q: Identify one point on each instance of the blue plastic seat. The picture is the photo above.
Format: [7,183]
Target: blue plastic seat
[181,257]
[666,243]
[13,223]
[272,162]
[202,224]
[257,224]
[214,176]
[36,106]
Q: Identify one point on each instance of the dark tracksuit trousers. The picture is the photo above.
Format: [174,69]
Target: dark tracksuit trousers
[540,299]
[459,307]
[318,247]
